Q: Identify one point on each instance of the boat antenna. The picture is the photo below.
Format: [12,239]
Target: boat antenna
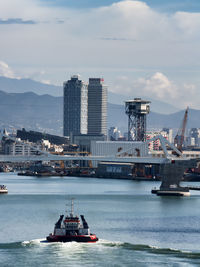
[66,209]
[72,207]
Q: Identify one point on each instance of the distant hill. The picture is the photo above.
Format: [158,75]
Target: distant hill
[27,85]
[117,117]
[155,106]
[31,111]
[45,113]
[9,85]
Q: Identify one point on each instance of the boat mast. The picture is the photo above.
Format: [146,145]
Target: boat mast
[72,207]
[66,210]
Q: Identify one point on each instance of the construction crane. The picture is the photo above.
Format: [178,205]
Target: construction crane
[180,136]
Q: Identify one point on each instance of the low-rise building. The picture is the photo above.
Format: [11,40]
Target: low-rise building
[111,148]
[11,147]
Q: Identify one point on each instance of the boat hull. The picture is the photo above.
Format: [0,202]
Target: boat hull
[70,238]
[3,191]
[179,193]
[173,193]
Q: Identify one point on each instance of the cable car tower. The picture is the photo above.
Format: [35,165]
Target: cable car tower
[137,110]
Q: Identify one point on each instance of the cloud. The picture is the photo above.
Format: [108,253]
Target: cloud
[188,23]
[158,86]
[46,82]
[60,21]
[116,39]
[129,20]
[6,71]
[16,21]
[107,41]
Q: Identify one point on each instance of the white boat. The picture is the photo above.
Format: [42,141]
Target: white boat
[3,189]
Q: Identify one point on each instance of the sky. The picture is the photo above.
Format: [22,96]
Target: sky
[142,49]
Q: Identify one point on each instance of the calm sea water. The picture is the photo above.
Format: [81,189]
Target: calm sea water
[135,228]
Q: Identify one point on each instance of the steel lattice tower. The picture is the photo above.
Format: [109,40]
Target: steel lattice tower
[137,110]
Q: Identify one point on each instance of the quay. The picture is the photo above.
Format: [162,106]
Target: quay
[172,167]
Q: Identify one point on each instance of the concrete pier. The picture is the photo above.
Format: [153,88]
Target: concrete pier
[171,176]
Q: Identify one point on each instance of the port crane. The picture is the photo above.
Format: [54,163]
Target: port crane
[180,136]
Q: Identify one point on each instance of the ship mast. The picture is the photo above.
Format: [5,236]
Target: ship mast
[72,208]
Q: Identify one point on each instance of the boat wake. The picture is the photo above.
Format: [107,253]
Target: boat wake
[153,249]
[17,245]
[102,243]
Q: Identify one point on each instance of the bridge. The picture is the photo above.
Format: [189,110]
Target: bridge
[119,157]
[171,167]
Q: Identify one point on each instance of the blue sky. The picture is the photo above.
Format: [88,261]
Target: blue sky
[141,48]
[163,5]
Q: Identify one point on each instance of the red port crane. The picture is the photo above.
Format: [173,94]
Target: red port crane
[180,137]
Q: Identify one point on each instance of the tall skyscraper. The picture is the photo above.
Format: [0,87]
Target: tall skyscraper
[97,107]
[75,107]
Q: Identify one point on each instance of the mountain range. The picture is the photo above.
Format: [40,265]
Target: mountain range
[9,85]
[155,121]
[44,112]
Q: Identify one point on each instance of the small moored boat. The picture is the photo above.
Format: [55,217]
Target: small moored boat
[3,189]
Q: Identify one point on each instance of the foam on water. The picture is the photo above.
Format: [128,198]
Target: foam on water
[75,247]
[33,242]
[77,252]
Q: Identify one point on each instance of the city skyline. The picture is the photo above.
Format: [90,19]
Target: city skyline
[75,113]
[97,106]
[85,107]
[140,47]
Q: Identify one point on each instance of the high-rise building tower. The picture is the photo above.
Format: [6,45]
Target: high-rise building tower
[75,106]
[97,107]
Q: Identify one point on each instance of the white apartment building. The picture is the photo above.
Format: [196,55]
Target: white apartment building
[23,149]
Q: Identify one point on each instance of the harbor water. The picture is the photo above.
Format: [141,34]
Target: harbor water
[135,228]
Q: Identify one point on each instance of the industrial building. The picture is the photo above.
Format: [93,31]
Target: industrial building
[84,141]
[115,170]
[119,170]
[75,106]
[102,148]
[97,106]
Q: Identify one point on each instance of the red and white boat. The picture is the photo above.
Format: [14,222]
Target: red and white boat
[70,229]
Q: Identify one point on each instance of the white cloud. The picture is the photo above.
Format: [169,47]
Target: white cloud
[6,71]
[113,39]
[26,9]
[97,36]
[189,23]
[46,82]
[159,87]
